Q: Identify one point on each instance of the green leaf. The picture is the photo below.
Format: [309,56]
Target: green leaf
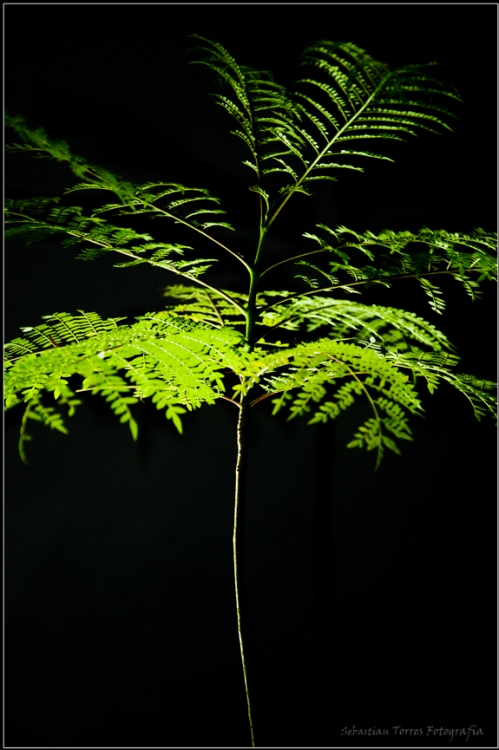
[173,413]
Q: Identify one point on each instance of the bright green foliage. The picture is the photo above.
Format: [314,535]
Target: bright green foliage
[212,343]
[354,98]
[173,362]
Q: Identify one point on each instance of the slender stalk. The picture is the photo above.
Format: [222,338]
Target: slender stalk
[381,279]
[242,453]
[129,254]
[205,234]
[295,257]
[339,132]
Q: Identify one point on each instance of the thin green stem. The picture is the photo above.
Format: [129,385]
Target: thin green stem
[326,148]
[380,280]
[255,275]
[251,312]
[239,501]
[201,231]
[215,308]
[186,223]
[129,254]
[185,275]
[261,240]
[373,406]
[295,257]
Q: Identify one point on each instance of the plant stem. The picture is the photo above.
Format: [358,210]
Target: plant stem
[242,454]
[251,313]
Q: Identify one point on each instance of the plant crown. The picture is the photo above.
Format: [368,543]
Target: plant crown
[188,353]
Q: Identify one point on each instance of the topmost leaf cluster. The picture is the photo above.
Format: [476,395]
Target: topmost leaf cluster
[302,134]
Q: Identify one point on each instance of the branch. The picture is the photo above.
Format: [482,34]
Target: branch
[267,395]
[294,257]
[342,286]
[381,279]
[129,254]
[373,405]
[201,231]
[216,310]
[232,401]
[324,150]
[184,275]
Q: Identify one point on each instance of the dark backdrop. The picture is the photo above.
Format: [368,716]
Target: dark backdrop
[371,595]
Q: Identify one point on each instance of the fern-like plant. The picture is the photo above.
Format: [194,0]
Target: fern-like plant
[313,349]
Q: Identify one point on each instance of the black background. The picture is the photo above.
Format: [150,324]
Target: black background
[371,595]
